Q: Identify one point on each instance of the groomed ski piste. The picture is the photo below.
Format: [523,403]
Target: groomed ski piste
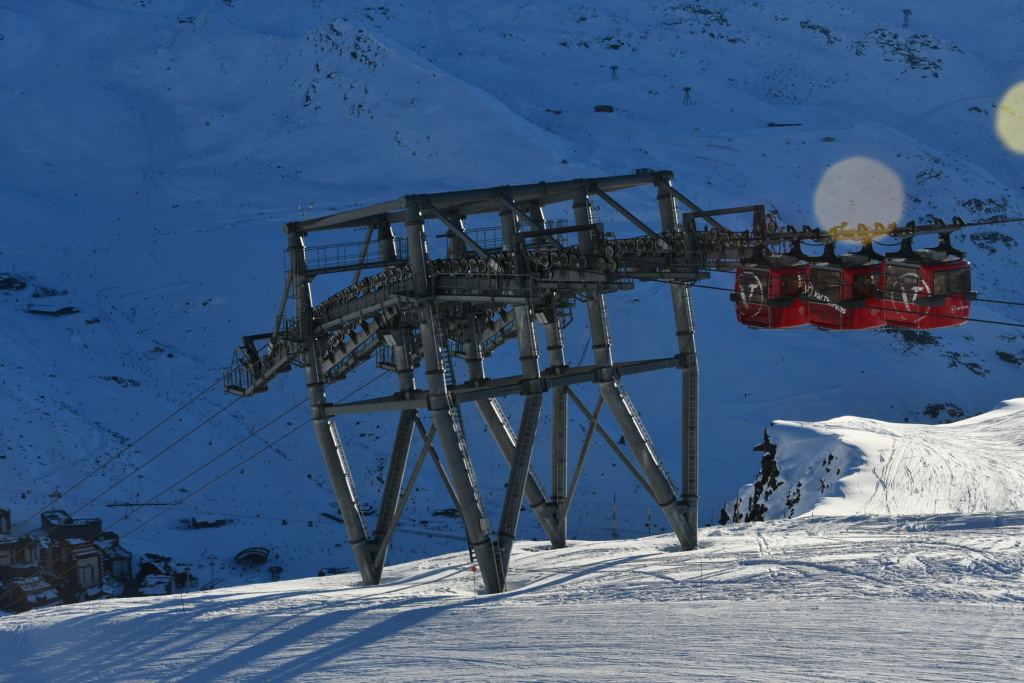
[904,595]
[924,597]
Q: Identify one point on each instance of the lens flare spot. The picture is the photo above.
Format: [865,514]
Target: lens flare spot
[1010,119]
[859,190]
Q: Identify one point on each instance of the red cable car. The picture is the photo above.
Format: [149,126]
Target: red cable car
[926,289]
[841,291]
[767,293]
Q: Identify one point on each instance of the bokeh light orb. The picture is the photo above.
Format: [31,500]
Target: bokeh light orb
[859,190]
[1010,119]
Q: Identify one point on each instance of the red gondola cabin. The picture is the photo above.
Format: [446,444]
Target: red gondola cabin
[768,296]
[929,290]
[841,295]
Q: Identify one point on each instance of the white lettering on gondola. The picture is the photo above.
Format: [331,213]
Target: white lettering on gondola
[821,297]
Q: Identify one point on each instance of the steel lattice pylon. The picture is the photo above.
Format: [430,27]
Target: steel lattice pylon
[409,311]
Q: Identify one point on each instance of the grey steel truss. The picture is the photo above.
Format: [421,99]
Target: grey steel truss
[410,311]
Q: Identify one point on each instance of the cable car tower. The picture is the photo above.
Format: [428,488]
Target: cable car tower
[428,293]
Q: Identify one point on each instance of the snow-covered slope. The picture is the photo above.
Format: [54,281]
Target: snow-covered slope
[856,466]
[935,598]
[151,151]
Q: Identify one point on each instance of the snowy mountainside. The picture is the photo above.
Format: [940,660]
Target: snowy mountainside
[936,598]
[152,151]
[856,466]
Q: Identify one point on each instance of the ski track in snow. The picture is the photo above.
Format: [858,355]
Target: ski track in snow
[926,598]
[853,465]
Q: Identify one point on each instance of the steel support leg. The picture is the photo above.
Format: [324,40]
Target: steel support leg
[526,437]
[560,497]
[691,399]
[340,475]
[615,396]
[338,470]
[685,333]
[643,450]
[517,479]
[446,415]
[559,428]
[448,421]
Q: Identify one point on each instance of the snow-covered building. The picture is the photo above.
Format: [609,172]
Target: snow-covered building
[75,568]
[117,562]
[60,526]
[21,551]
[75,564]
[8,550]
[30,593]
[52,518]
[156,584]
